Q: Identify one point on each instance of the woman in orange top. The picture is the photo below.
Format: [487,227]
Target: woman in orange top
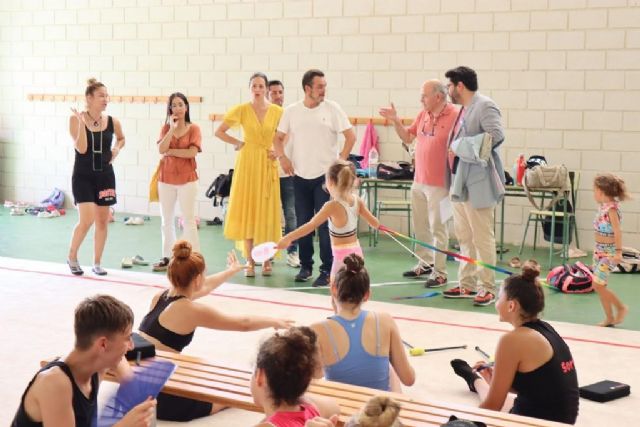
[180,142]
[253,216]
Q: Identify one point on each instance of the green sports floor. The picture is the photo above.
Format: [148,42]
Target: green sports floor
[44,239]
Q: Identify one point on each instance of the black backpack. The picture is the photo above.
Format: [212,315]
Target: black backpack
[560,224]
[220,187]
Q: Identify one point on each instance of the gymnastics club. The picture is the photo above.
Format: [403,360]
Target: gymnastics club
[391,232]
[415,351]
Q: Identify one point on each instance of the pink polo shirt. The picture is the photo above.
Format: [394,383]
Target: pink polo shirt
[432,135]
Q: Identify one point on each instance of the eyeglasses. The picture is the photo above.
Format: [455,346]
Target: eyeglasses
[423,132]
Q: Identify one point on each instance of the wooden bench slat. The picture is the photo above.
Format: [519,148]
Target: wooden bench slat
[196,370]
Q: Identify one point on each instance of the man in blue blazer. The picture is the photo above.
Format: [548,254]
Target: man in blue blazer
[478,184]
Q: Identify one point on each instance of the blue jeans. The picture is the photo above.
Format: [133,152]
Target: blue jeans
[310,197]
[289,208]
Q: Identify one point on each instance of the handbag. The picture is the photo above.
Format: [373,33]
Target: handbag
[546,178]
[395,170]
[153,186]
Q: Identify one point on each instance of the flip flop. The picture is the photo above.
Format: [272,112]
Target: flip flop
[138,260]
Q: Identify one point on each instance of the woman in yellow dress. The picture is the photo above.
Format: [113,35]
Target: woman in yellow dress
[253,216]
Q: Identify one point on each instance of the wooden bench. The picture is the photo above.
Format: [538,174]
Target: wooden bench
[227,385]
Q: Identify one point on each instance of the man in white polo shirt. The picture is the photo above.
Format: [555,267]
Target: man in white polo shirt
[313,125]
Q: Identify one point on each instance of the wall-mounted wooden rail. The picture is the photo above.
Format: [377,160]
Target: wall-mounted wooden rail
[379,121]
[131,99]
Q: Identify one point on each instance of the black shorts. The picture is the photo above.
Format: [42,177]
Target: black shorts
[98,188]
[175,408]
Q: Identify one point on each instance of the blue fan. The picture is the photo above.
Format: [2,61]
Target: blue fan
[147,381]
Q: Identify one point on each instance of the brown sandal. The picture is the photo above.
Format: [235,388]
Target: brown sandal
[267,269]
[250,270]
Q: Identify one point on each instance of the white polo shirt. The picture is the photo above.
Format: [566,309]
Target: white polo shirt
[313,136]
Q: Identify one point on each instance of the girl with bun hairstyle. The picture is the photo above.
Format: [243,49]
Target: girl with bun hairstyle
[342,213]
[357,346]
[175,315]
[285,365]
[93,182]
[253,216]
[379,411]
[532,359]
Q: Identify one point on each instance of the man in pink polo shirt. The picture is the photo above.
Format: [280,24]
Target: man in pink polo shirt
[431,129]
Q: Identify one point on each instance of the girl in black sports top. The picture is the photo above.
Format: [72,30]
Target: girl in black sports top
[93,181]
[175,314]
[532,360]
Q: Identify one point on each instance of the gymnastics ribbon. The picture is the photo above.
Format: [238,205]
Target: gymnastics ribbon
[391,233]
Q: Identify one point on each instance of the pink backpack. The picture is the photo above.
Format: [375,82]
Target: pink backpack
[571,279]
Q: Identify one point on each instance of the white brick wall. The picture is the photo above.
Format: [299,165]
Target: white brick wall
[566,74]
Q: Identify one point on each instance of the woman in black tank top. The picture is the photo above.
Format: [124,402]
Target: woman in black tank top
[175,314]
[532,360]
[93,180]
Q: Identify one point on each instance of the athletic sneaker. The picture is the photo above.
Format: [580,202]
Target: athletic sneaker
[459,292]
[75,268]
[293,260]
[161,265]
[484,298]
[321,280]
[418,270]
[436,281]
[303,275]
[97,270]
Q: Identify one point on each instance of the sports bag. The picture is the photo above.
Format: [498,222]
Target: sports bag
[545,178]
[220,187]
[395,170]
[141,348]
[630,261]
[536,160]
[56,199]
[571,279]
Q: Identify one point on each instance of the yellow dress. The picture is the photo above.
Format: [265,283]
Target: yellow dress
[254,210]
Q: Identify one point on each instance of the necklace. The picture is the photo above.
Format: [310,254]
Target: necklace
[96,123]
[97,154]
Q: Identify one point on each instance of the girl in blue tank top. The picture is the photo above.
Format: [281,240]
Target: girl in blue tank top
[357,346]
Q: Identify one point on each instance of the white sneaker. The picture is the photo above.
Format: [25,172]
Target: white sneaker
[134,220]
[293,260]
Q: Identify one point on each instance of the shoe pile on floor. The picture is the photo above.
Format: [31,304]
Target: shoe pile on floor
[22,208]
[50,207]
[128,262]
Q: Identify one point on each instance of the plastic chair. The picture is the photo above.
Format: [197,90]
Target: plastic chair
[538,216]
